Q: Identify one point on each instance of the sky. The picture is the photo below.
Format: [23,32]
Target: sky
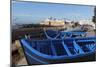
[35,12]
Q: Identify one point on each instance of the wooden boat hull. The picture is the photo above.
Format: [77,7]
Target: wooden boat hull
[56,51]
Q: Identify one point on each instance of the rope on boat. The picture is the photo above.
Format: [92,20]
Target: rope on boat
[49,36]
[63,36]
[52,38]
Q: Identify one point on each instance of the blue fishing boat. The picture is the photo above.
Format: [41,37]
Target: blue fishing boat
[51,34]
[56,48]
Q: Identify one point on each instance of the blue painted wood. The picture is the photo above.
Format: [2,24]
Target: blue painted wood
[66,49]
[52,49]
[78,48]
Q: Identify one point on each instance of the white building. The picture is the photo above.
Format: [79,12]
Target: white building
[55,22]
[87,22]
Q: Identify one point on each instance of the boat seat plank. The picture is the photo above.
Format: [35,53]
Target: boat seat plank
[66,49]
[77,48]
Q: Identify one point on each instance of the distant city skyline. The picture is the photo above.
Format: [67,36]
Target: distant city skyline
[34,12]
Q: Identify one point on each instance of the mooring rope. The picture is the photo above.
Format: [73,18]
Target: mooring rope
[49,36]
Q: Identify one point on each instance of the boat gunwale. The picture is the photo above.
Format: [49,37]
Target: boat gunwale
[49,56]
[93,38]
